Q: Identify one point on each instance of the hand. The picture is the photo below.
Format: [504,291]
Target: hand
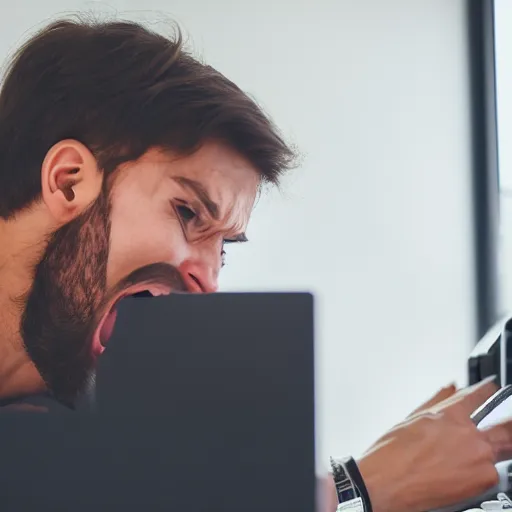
[437,457]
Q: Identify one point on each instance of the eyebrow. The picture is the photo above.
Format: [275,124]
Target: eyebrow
[203,195]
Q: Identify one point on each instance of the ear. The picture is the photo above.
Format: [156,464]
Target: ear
[71,180]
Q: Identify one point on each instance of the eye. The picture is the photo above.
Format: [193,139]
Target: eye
[223,252]
[186,213]
[238,239]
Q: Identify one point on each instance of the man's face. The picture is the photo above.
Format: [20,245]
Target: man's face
[180,211]
[160,225]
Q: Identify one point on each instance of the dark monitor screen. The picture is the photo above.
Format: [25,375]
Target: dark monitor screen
[492,356]
[202,403]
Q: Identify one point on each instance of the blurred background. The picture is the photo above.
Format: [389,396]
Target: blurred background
[503,26]
[379,219]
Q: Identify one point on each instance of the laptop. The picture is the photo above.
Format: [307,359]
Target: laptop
[202,403]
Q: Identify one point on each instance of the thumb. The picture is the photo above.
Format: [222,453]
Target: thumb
[442,395]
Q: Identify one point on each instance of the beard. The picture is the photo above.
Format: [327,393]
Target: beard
[69,296]
[61,308]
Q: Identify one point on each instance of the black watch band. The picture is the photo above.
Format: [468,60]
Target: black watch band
[350,486]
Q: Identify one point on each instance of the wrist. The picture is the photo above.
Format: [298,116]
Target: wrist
[384,494]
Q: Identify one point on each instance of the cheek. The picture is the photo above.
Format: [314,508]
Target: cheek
[141,237]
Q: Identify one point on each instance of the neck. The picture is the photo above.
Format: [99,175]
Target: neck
[20,249]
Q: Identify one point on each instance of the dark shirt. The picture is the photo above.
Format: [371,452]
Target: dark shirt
[32,403]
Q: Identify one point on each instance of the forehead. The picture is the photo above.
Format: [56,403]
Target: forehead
[219,168]
[229,179]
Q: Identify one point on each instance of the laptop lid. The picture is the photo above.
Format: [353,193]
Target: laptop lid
[204,402]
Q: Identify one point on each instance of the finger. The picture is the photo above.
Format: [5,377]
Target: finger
[442,395]
[466,401]
[500,438]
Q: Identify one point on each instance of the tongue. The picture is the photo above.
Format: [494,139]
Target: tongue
[108,327]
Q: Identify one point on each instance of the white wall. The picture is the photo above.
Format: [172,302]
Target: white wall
[377,221]
[503,16]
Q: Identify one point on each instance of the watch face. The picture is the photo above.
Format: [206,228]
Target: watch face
[337,471]
[344,486]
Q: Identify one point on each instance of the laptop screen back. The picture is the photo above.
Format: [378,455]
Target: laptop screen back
[203,402]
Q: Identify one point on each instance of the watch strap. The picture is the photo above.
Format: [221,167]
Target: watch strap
[357,479]
[350,487]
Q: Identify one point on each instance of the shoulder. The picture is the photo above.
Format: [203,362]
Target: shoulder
[34,403]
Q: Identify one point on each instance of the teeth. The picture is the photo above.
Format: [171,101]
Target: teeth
[143,293]
[156,292]
[149,292]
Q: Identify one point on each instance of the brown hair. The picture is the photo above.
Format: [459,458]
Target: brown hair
[120,89]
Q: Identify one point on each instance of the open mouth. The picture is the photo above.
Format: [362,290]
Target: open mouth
[106,326]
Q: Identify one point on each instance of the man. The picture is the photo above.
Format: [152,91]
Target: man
[127,166]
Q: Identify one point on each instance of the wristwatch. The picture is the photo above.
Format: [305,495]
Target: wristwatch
[350,487]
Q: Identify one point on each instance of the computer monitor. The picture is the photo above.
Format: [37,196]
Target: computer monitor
[492,354]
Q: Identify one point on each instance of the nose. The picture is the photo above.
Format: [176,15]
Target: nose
[199,277]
